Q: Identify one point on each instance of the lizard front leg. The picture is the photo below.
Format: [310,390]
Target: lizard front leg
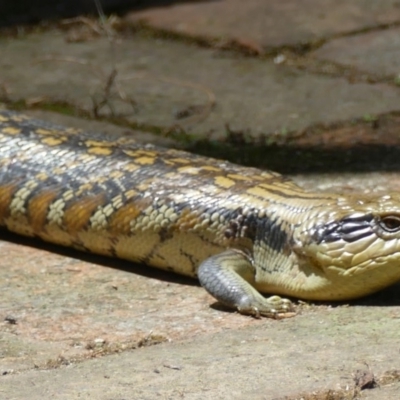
[228,277]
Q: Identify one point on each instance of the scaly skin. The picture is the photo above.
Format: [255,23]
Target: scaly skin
[240,230]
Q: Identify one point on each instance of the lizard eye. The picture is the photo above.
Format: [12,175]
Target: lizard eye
[390,223]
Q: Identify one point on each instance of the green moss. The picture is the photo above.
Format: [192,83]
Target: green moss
[369,118]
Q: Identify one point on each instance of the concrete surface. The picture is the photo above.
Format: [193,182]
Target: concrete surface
[76,326]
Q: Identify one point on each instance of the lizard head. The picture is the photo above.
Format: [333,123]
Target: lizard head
[355,250]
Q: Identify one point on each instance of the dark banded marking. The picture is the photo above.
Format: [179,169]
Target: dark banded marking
[348,229]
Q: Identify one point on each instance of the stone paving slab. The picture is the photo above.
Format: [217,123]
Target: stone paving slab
[268,360]
[252,96]
[80,307]
[375,52]
[260,24]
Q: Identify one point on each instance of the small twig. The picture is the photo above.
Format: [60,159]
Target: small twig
[107,94]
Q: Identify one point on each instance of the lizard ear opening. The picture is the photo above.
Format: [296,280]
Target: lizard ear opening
[390,223]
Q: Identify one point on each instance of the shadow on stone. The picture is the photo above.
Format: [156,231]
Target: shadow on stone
[386,297]
[291,159]
[122,265]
